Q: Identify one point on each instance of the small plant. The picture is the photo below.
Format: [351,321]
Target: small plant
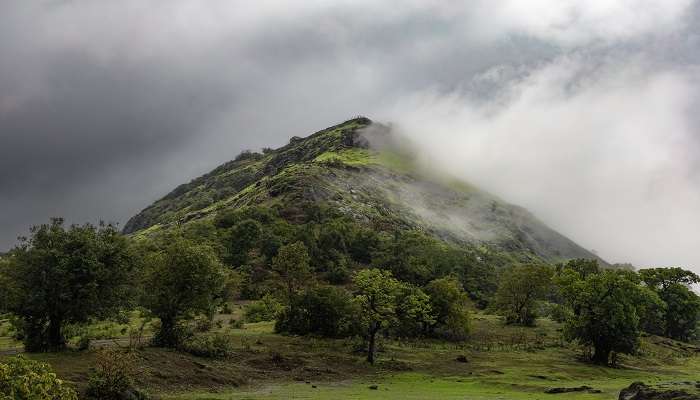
[83,343]
[25,379]
[236,323]
[267,309]
[226,309]
[113,376]
[203,325]
[215,345]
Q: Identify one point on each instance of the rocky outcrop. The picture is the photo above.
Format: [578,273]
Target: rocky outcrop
[640,391]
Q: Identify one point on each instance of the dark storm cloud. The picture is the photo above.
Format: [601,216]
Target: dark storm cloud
[105,106]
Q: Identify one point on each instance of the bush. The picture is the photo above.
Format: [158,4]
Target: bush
[557,312]
[326,311]
[215,345]
[25,379]
[203,324]
[113,376]
[267,309]
[83,343]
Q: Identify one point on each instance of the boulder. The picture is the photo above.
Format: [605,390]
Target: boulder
[640,391]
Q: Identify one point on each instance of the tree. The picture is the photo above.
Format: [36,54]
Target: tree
[59,276]
[414,313]
[181,280]
[583,267]
[449,303]
[413,257]
[376,298]
[327,311]
[682,310]
[605,314]
[292,264]
[519,290]
[242,238]
[660,278]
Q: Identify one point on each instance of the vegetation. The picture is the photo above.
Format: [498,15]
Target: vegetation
[113,376]
[376,298]
[520,289]
[65,275]
[287,266]
[450,306]
[25,379]
[182,279]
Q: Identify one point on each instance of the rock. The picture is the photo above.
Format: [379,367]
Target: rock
[557,390]
[462,359]
[640,391]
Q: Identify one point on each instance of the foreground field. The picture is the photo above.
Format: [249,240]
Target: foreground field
[498,362]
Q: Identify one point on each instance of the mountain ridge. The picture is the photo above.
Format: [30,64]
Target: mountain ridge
[360,169]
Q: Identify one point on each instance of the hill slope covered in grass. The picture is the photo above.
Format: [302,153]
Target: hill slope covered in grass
[359,169]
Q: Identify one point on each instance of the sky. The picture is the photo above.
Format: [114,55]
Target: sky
[584,112]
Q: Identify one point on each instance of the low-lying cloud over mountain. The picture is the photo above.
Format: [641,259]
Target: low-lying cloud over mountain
[582,112]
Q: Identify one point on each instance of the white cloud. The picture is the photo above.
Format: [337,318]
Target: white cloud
[603,152]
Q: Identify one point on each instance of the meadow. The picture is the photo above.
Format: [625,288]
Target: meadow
[497,362]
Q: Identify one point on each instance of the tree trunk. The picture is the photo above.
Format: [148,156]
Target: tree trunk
[55,336]
[601,355]
[167,335]
[372,342]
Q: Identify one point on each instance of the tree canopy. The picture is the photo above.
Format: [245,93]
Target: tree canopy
[65,275]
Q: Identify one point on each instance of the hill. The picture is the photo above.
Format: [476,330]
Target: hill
[363,171]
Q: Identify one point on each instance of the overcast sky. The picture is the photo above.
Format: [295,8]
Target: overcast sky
[585,112]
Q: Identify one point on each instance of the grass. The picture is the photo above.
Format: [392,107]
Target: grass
[503,363]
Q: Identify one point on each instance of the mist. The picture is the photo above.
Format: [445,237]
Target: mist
[606,153]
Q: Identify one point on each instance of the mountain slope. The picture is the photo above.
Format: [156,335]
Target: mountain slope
[376,185]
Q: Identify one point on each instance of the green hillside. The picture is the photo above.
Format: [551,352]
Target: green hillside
[359,169]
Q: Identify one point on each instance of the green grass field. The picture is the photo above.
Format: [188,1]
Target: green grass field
[503,363]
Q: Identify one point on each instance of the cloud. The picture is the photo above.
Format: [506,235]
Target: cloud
[105,106]
[603,151]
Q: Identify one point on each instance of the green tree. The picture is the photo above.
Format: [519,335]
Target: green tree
[66,275]
[413,257]
[583,267]
[241,239]
[682,310]
[450,305]
[327,311]
[292,264]
[376,298]
[414,312]
[181,280]
[519,290]
[605,314]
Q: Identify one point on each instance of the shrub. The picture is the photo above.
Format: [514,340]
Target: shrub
[267,309]
[83,343]
[203,324]
[557,312]
[450,305]
[215,345]
[113,376]
[236,323]
[25,379]
[327,311]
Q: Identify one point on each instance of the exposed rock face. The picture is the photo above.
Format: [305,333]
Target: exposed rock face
[640,391]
